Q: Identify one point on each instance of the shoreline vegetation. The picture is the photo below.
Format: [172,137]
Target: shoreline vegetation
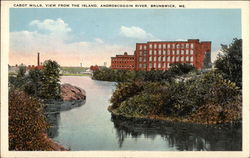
[30,95]
[27,124]
[74,71]
[73,74]
[181,94]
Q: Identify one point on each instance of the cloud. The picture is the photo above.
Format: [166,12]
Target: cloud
[52,39]
[25,44]
[135,32]
[98,40]
[51,25]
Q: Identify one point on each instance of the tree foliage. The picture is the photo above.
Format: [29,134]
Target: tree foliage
[107,74]
[207,60]
[124,91]
[21,71]
[51,80]
[34,83]
[180,68]
[44,84]
[230,62]
[26,122]
[181,99]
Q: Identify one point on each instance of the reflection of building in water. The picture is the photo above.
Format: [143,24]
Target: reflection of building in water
[181,136]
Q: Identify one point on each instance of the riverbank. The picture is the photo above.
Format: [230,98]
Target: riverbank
[52,145]
[155,118]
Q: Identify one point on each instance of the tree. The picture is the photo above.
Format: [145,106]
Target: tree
[51,80]
[180,68]
[21,71]
[34,82]
[207,60]
[230,63]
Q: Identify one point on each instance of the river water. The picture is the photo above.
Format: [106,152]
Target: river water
[91,127]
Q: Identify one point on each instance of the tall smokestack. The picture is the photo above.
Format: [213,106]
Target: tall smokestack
[38,59]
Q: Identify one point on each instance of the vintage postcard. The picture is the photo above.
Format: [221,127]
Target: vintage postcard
[125,79]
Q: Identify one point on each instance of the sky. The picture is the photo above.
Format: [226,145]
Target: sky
[91,36]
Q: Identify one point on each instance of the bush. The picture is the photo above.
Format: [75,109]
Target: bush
[124,91]
[26,122]
[230,63]
[178,69]
[209,97]
[185,97]
[219,113]
[142,105]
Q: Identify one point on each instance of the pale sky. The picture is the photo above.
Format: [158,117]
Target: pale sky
[91,36]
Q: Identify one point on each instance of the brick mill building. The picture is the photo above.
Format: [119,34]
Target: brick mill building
[159,55]
[124,62]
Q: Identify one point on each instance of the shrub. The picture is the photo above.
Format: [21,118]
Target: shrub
[230,63]
[26,122]
[124,91]
[185,97]
[219,113]
[180,69]
[143,104]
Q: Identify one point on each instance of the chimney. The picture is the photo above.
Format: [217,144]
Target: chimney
[38,59]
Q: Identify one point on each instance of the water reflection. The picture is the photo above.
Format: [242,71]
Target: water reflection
[52,114]
[53,120]
[180,136]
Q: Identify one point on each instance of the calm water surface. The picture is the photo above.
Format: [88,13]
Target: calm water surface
[91,127]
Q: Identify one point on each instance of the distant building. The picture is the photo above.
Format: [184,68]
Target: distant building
[93,68]
[125,61]
[158,55]
[39,65]
[31,67]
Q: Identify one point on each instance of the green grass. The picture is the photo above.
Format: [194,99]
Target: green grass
[72,74]
[74,69]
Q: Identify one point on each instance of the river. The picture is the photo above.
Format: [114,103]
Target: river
[91,127]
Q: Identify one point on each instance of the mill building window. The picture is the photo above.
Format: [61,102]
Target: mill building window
[191,52]
[140,47]
[192,46]
[191,59]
